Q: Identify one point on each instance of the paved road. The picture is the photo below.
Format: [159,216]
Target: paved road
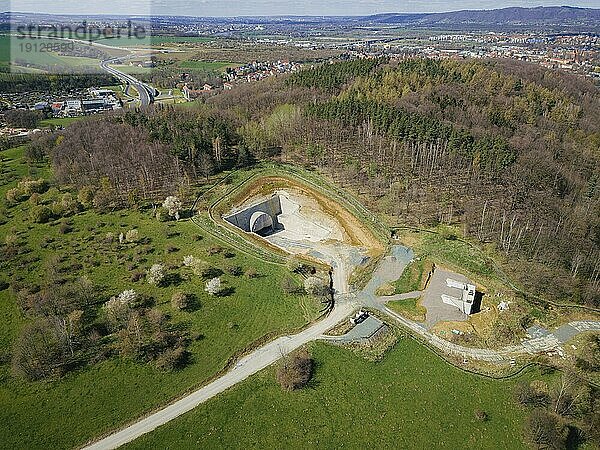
[394,265]
[145,92]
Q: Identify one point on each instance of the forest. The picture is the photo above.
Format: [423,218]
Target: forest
[504,150]
[26,82]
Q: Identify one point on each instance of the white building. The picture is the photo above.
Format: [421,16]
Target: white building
[463,295]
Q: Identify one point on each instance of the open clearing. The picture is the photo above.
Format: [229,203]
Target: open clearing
[108,394]
[352,402]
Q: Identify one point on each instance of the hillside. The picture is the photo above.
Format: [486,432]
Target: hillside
[554,15]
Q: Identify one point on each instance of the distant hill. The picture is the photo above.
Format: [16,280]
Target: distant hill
[553,15]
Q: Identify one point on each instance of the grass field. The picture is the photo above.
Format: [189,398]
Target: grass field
[32,51]
[409,308]
[83,404]
[414,276]
[443,247]
[4,50]
[409,400]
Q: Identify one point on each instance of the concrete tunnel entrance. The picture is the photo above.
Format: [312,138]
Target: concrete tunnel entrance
[261,221]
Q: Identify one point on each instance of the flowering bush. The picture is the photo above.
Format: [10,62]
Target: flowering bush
[213,286]
[173,206]
[156,274]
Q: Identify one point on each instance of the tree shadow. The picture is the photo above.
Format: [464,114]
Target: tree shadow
[212,272]
[194,303]
[226,292]
[172,279]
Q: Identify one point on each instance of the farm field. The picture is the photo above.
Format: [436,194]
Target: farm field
[31,52]
[116,390]
[152,41]
[353,403]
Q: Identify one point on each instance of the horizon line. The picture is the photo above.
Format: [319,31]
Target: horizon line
[147,16]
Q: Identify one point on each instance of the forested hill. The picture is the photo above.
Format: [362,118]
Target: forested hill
[506,152]
[509,151]
[549,15]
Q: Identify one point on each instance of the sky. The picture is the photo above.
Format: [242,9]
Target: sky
[221,8]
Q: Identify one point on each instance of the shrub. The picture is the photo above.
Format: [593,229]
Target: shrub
[132,235]
[173,206]
[236,271]
[481,415]
[171,248]
[316,286]
[545,430]
[34,153]
[85,196]
[14,195]
[162,215]
[28,187]
[41,214]
[38,352]
[530,395]
[214,286]
[68,205]
[295,371]
[214,250]
[180,300]
[189,261]
[64,228]
[117,308]
[172,359]
[156,275]
[137,276]
[35,199]
[205,270]
[251,273]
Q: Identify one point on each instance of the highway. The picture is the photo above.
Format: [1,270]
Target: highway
[145,91]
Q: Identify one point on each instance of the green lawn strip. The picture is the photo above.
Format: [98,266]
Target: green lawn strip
[409,308]
[410,399]
[412,278]
[111,393]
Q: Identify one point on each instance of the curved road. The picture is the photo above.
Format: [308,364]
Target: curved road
[145,91]
[345,304]
[245,367]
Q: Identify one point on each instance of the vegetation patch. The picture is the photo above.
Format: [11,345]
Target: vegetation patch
[347,390]
[110,297]
[295,370]
[409,308]
[415,276]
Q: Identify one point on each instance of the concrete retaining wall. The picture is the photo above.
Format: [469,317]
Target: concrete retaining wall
[241,218]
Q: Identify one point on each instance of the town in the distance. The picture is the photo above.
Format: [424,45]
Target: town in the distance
[306,225]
